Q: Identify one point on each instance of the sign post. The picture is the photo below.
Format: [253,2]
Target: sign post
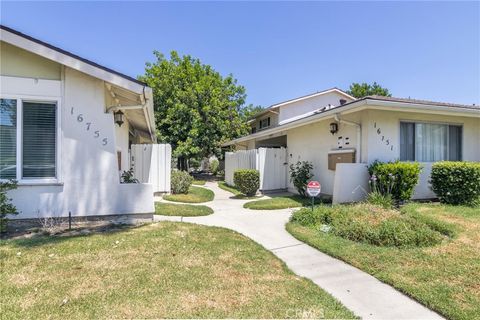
[313,190]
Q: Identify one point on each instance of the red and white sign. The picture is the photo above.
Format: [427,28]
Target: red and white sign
[313,188]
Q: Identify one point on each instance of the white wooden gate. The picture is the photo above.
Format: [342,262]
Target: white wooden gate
[270,162]
[242,159]
[151,163]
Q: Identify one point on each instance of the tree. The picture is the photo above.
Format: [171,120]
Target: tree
[249,111]
[196,109]
[360,90]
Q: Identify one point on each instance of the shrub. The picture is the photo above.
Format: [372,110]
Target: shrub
[373,225]
[214,166]
[456,182]
[299,176]
[180,181]
[6,206]
[396,178]
[247,181]
[383,200]
[128,177]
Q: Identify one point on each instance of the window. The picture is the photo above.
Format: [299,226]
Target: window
[30,151]
[39,140]
[430,142]
[264,123]
[8,139]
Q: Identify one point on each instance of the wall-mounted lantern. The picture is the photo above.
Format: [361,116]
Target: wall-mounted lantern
[333,127]
[119,118]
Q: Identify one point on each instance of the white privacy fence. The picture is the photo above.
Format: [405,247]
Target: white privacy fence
[270,162]
[151,163]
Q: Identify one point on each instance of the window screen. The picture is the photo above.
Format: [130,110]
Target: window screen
[8,139]
[39,140]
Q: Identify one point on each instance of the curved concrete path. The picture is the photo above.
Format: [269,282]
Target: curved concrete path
[366,296]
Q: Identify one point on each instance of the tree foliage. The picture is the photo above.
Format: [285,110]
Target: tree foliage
[360,90]
[196,109]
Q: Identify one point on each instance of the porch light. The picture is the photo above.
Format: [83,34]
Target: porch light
[333,127]
[119,118]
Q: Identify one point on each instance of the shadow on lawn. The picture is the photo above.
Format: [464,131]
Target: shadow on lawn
[31,239]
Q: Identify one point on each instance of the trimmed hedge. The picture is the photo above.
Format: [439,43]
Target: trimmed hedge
[247,181]
[180,182]
[396,178]
[456,182]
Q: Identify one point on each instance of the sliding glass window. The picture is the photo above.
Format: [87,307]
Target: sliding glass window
[430,142]
[30,151]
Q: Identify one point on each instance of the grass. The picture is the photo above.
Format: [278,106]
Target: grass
[282,202]
[183,210]
[443,277]
[194,195]
[199,182]
[237,194]
[162,270]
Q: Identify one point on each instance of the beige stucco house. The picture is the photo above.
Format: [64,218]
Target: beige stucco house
[59,137]
[341,135]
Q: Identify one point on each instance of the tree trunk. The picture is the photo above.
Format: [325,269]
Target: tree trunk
[182,164]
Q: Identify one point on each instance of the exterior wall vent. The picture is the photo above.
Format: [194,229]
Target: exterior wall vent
[342,102]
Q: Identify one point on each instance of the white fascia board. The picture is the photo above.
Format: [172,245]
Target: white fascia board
[312,96]
[69,61]
[423,108]
[362,105]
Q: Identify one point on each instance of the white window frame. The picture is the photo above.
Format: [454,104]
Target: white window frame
[433,122]
[260,123]
[19,154]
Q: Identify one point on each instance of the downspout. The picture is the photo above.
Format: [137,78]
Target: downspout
[359,135]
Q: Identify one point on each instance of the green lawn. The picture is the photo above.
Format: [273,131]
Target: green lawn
[162,270]
[282,202]
[237,194]
[183,210]
[199,182]
[194,195]
[444,277]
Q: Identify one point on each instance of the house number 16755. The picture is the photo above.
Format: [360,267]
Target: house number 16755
[96,133]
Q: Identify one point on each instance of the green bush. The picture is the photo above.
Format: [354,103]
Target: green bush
[300,173]
[214,166]
[374,225]
[6,206]
[180,181]
[247,181]
[456,182]
[396,178]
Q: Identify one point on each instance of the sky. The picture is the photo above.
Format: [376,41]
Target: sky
[277,50]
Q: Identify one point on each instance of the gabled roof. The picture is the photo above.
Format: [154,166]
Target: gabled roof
[308,96]
[312,95]
[124,89]
[69,59]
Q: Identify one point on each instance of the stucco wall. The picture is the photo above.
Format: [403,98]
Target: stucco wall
[89,180]
[21,63]
[312,143]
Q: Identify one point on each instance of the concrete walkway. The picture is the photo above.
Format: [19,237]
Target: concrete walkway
[366,296]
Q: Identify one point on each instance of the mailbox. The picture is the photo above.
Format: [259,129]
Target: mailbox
[340,156]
